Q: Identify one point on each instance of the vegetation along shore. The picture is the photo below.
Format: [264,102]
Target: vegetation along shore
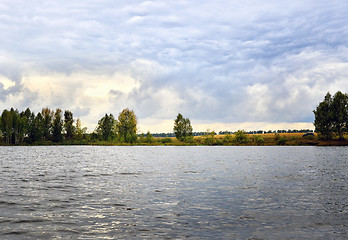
[50,127]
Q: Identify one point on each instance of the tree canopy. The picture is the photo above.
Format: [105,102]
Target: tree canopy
[126,126]
[331,116]
[182,128]
[106,127]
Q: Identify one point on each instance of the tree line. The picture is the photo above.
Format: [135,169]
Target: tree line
[331,119]
[58,126]
[331,116]
[48,125]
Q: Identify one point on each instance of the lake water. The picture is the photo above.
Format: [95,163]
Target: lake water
[92,192]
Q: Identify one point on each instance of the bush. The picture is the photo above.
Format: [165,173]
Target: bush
[280,140]
[259,140]
[228,138]
[189,139]
[166,140]
[209,140]
[241,136]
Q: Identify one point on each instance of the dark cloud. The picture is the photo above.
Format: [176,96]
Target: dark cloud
[218,61]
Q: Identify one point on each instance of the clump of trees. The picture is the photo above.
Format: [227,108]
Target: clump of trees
[182,128]
[48,125]
[123,129]
[331,116]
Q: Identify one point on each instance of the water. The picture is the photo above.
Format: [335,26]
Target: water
[85,192]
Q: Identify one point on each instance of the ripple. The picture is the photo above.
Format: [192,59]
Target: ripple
[169,193]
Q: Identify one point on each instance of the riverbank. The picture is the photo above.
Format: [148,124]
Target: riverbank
[269,139]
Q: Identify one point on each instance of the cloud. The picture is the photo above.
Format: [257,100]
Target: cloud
[221,62]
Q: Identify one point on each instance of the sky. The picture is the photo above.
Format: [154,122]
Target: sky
[224,64]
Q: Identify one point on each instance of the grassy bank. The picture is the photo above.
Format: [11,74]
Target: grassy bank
[269,139]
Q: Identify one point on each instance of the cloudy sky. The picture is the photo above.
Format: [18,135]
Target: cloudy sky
[225,64]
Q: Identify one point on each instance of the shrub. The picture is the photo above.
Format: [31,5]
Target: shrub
[259,140]
[241,136]
[166,140]
[279,140]
[228,138]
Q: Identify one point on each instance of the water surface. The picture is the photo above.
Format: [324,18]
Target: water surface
[89,192]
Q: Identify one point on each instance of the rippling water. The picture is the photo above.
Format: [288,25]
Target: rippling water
[84,192]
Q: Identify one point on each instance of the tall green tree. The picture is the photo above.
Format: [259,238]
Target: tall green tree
[35,127]
[323,118]
[57,126]
[126,126]
[106,127]
[331,116]
[69,124]
[80,131]
[182,128]
[6,125]
[47,115]
[339,108]
[23,125]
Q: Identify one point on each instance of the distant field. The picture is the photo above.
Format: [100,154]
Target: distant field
[268,139]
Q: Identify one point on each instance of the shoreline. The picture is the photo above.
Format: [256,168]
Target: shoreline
[285,139]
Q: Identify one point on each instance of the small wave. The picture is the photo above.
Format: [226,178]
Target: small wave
[69,231]
[105,174]
[28,220]
[7,203]
[192,172]
[16,233]
[118,205]
[89,175]
[129,173]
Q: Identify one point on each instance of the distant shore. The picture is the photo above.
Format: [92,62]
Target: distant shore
[268,139]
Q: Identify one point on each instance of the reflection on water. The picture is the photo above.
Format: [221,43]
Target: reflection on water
[84,192]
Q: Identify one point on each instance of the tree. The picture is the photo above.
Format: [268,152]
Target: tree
[323,118]
[47,116]
[210,137]
[35,130]
[6,125]
[79,130]
[126,126]
[182,128]
[339,107]
[149,137]
[106,127]
[68,124]
[57,126]
[241,136]
[23,125]
[331,116]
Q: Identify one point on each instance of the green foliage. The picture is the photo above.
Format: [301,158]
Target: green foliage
[6,125]
[189,139]
[241,137]
[126,126]
[339,110]
[57,126]
[106,128]
[259,140]
[80,132]
[14,126]
[35,127]
[210,137]
[68,124]
[149,138]
[228,138]
[331,116]
[182,128]
[279,139]
[166,140]
[47,116]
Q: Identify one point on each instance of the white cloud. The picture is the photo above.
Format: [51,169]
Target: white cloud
[225,62]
